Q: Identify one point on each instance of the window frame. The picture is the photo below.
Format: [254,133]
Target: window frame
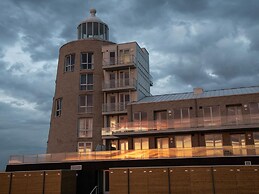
[85,130]
[87,64]
[58,107]
[87,108]
[70,66]
[86,85]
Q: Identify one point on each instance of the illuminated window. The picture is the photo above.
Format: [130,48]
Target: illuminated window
[86,103]
[87,61]
[58,107]
[85,127]
[69,62]
[141,143]
[162,143]
[213,140]
[184,141]
[84,147]
[256,139]
[124,145]
[86,81]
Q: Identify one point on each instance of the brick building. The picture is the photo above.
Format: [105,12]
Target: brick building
[106,126]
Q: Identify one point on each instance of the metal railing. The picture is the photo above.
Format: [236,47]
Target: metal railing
[122,60]
[95,190]
[185,124]
[120,84]
[115,107]
[136,154]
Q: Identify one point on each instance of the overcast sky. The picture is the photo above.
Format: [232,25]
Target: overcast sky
[192,43]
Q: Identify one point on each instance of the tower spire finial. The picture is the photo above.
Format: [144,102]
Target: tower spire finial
[92,11]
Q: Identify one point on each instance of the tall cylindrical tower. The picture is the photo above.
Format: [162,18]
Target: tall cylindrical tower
[76,119]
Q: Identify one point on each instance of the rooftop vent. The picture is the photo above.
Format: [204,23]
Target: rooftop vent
[197,91]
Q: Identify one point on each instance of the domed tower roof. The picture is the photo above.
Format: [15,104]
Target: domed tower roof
[93,28]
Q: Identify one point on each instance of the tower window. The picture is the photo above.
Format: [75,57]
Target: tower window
[58,107]
[86,103]
[86,60]
[69,62]
[86,81]
[85,127]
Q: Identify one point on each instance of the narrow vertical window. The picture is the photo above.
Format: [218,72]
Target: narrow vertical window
[58,107]
[69,63]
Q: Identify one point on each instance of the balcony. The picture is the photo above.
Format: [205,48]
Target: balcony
[123,62]
[149,154]
[120,85]
[113,108]
[177,125]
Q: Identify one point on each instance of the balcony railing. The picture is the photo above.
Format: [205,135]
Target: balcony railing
[121,61]
[114,107]
[169,153]
[185,124]
[120,84]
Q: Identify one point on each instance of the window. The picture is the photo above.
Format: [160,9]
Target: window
[211,116]
[125,56]
[124,145]
[184,141]
[85,127]
[86,103]
[141,143]
[124,100]
[69,62]
[256,139]
[84,147]
[234,114]
[86,81]
[58,107]
[213,140]
[181,117]
[162,143]
[140,120]
[254,111]
[112,58]
[86,61]
[161,119]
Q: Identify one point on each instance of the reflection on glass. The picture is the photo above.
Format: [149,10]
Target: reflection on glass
[124,144]
[183,141]
[213,140]
[141,143]
[162,143]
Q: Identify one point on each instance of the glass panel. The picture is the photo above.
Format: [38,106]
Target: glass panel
[137,143]
[84,30]
[112,58]
[101,31]
[256,139]
[124,144]
[179,142]
[213,140]
[89,30]
[95,29]
[162,143]
[145,143]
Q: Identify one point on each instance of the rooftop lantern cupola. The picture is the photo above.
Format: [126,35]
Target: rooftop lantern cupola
[93,28]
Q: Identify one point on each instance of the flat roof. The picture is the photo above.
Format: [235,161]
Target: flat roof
[204,94]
